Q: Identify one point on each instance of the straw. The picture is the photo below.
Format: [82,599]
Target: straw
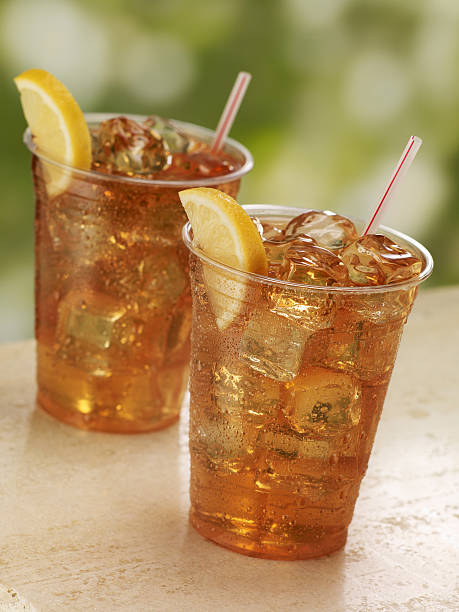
[230,111]
[401,168]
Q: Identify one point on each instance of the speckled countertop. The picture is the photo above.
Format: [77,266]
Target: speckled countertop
[99,522]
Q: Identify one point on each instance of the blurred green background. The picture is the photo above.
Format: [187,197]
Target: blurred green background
[338,87]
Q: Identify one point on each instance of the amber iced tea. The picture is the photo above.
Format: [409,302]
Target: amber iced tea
[286,397]
[113,305]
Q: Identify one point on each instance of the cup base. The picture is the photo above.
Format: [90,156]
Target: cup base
[100,423]
[290,551]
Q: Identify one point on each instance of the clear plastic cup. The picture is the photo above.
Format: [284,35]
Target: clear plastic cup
[112,296]
[285,400]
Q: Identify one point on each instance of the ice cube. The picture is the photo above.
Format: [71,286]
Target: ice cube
[312,309]
[313,265]
[124,146]
[310,464]
[275,243]
[335,347]
[322,400]
[96,333]
[273,232]
[342,352]
[295,464]
[292,445]
[304,262]
[227,440]
[376,260]
[276,252]
[175,139]
[328,229]
[94,325]
[239,391]
[358,346]
[273,345]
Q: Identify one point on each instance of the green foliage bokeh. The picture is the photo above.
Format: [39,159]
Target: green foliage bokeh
[338,87]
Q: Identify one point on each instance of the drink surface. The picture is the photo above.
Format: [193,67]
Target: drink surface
[322,248]
[155,149]
[113,304]
[285,401]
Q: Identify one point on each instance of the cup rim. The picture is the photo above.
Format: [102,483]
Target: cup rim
[288,211]
[205,133]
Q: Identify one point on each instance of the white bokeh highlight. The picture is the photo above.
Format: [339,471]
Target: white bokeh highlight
[377,87]
[435,55]
[61,37]
[156,68]
[315,13]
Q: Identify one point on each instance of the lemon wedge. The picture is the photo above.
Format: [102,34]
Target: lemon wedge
[225,233]
[58,126]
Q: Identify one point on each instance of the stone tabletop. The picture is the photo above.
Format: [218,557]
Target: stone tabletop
[98,522]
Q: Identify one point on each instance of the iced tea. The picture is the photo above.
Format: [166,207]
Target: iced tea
[287,391]
[112,297]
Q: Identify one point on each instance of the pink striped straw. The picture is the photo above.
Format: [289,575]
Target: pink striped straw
[230,111]
[401,168]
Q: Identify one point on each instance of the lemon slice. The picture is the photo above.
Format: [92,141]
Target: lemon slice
[225,233]
[58,126]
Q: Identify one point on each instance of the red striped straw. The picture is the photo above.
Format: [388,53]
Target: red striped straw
[401,168]
[230,111]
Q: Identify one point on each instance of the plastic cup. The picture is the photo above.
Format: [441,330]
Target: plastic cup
[112,297]
[285,401]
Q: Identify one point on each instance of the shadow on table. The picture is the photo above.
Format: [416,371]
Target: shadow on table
[280,584]
[69,459]
[49,440]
